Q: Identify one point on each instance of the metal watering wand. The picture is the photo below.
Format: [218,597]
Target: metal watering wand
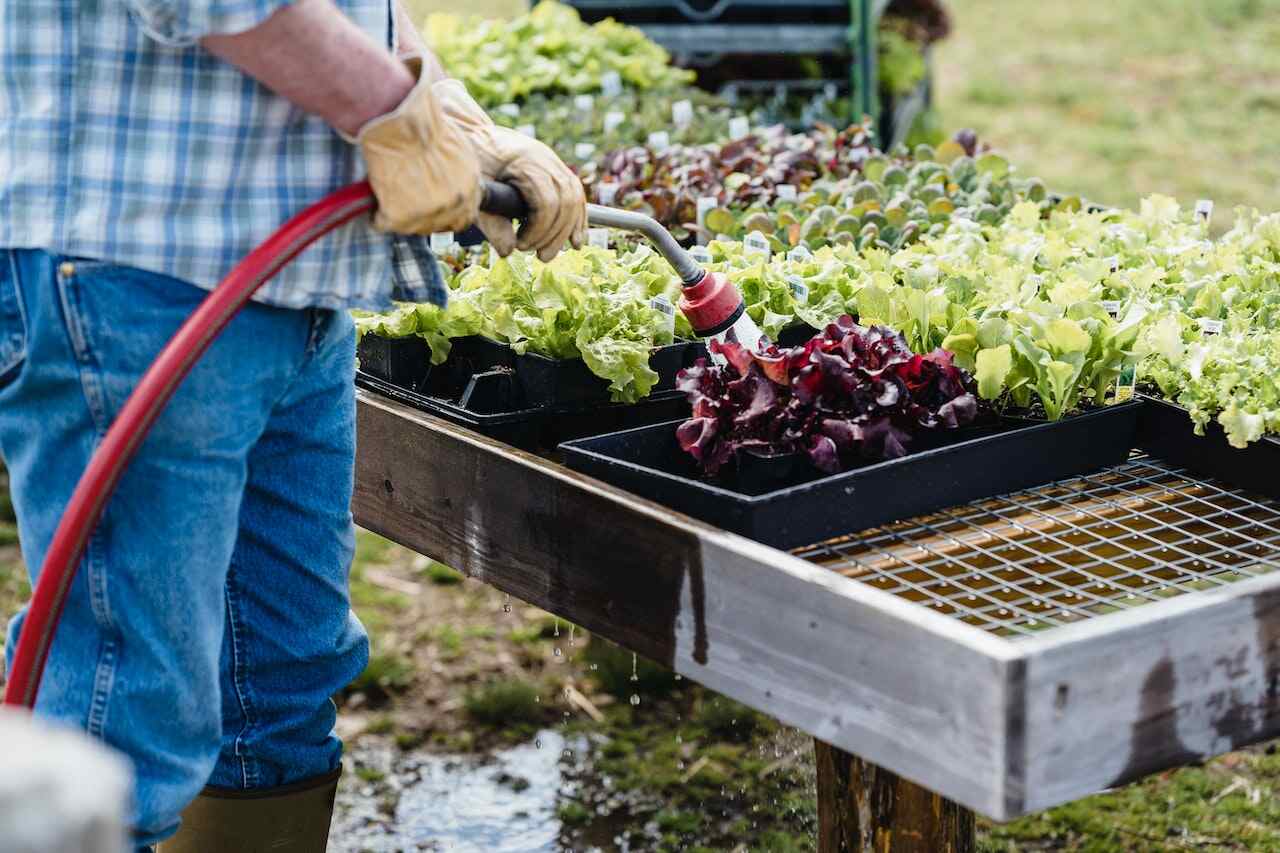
[714,307]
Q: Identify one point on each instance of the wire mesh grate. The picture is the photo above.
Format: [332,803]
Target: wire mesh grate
[1035,559]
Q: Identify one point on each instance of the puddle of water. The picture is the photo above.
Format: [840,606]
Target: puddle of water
[501,803]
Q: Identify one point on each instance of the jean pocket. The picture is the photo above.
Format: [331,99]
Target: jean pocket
[13,325]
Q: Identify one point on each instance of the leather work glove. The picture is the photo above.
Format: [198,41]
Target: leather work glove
[557,204]
[422,167]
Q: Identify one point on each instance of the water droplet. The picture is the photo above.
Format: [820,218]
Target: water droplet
[679,739]
[537,698]
[557,651]
[567,754]
[557,626]
[679,677]
[506,603]
[635,698]
[634,674]
[680,765]
[537,744]
[594,667]
[571,630]
[506,608]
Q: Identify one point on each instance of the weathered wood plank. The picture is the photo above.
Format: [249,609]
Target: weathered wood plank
[862,807]
[1113,699]
[861,669]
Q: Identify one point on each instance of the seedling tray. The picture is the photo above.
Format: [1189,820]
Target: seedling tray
[551,382]
[1165,430]
[649,462]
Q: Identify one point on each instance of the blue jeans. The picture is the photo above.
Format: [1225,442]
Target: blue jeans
[209,623]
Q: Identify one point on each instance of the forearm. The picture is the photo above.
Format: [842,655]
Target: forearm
[314,56]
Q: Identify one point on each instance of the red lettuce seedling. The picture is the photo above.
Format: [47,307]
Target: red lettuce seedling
[850,394]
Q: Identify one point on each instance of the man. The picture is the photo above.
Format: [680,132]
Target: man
[145,146]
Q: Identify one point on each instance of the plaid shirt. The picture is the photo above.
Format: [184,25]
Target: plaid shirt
[123,141]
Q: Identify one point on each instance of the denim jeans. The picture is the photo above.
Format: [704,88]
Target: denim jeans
[210,622]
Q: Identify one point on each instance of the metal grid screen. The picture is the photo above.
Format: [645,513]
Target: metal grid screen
[1035,559]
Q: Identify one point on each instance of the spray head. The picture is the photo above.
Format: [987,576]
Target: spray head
[715,309]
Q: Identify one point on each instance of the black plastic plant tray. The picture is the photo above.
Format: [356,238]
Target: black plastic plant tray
[1165,430]
[552,382]
[649,462]
[539,428]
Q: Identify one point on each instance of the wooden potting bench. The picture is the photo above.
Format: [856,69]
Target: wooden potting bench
[999,657]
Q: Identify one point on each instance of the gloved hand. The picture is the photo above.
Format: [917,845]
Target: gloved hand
[423,168]
[557,204]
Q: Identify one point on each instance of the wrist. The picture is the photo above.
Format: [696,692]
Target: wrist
[386,93]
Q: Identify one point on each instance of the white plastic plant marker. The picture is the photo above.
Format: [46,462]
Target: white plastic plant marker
[800,255]
[613,120]
[584,103]
[606,192]
[1111,306]
[509,110]
[660,140]
[1204,210]
[663,306]
[799,290]
[700,254]
[830,91]
[1209,326]
[442,241]
[584,150]
[739,126]
[785,192]
[682,113]
[611,84]
[757,243]
[528,130]
[598,237]
[724,238]
[1113,263]
[730,93]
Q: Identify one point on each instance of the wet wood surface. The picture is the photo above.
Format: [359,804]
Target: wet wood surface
[863,808]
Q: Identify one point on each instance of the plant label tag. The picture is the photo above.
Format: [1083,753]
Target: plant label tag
[799,290]
[682,113]
[730,93]
[1113,263]
[660,140]
[1208,326]
[509,110]
[758,243]
[780,92]
[613,120]
[598,237]
[584,103]
[848,202]
[441,241]
[829,91]
[800,255]
[785,192]
[1111,306]
[723,238]
[584,150]
[528,130]
[1126,384]
[700,254]
[1204,210]
[606,192]
[739,126]
[668,311]
[611,84]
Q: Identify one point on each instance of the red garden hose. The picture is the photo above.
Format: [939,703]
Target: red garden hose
[140,411]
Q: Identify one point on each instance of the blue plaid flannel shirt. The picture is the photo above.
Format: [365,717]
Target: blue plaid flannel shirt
[123,141]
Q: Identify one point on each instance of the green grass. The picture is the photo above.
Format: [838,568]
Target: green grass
[1114,99]
[504,702]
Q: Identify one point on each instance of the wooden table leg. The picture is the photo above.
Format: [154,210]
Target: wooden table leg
[862,807]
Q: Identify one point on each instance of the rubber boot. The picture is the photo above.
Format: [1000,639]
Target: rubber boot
[290,819]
